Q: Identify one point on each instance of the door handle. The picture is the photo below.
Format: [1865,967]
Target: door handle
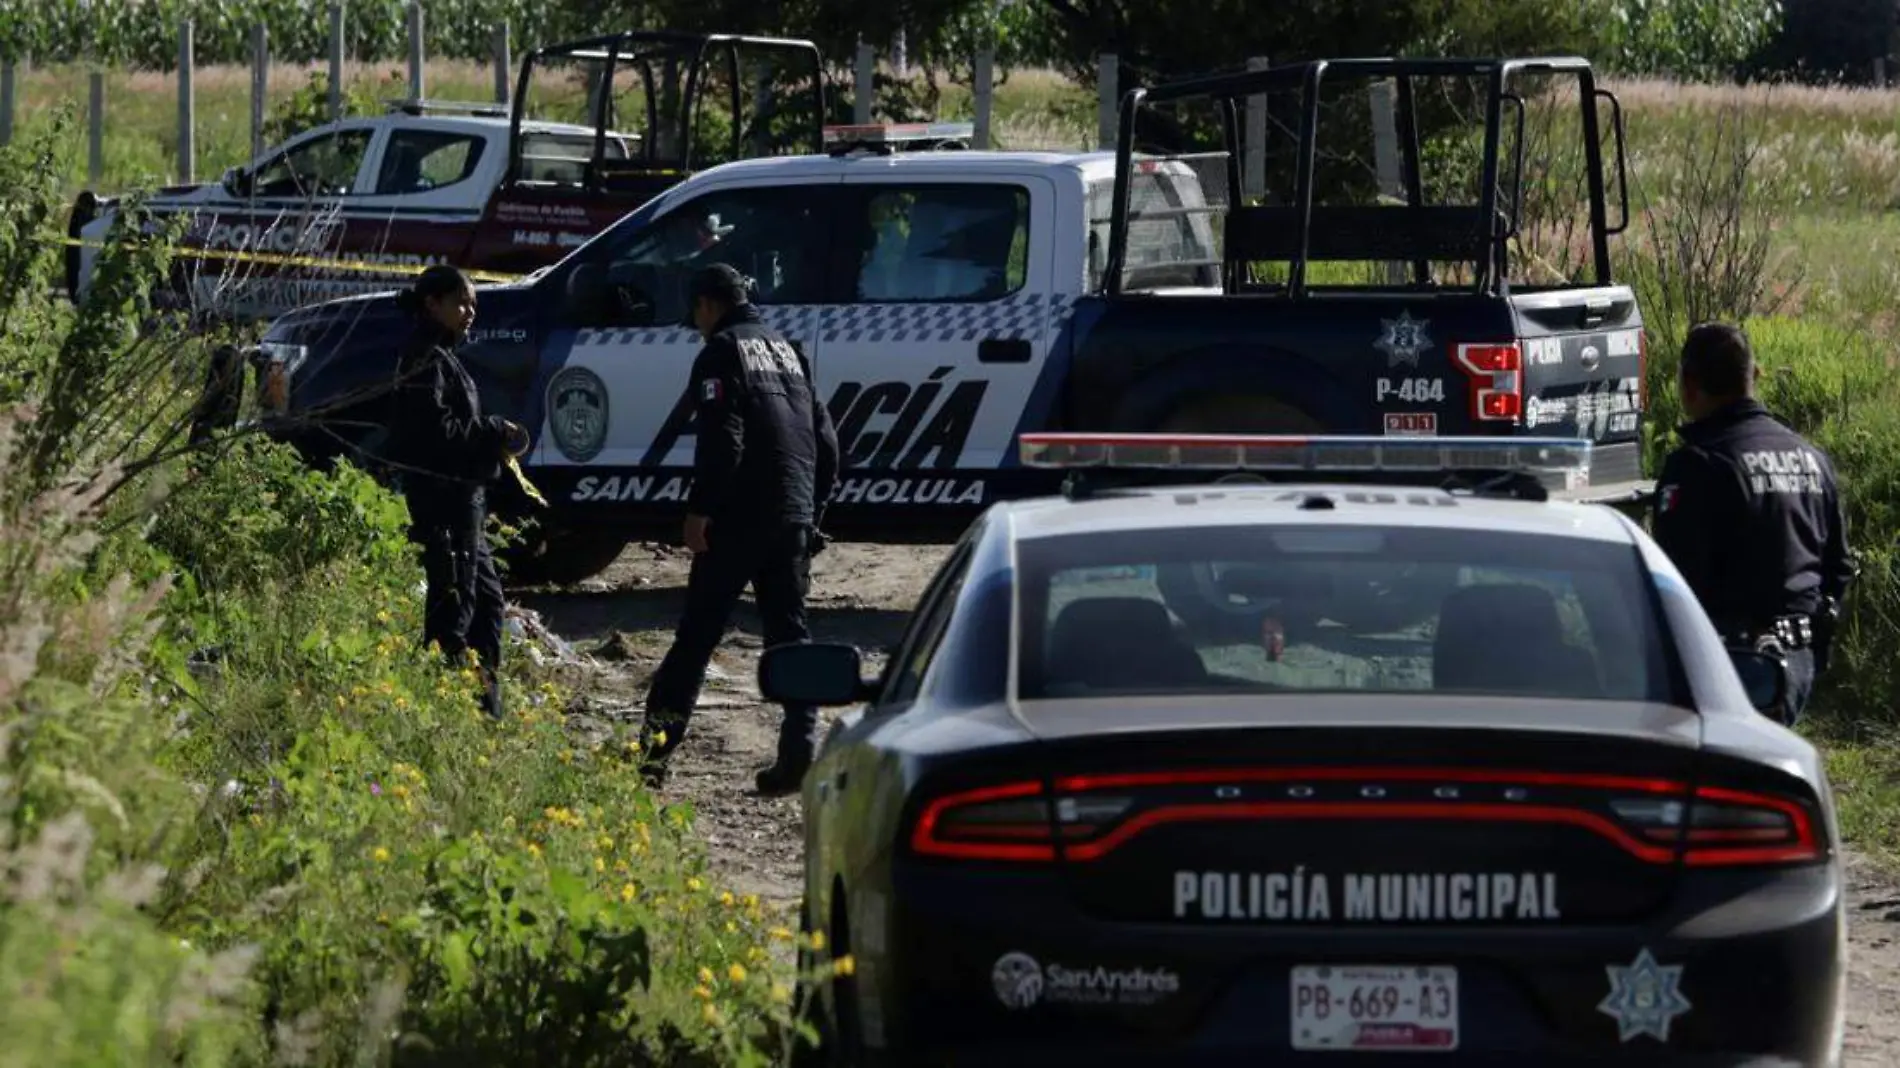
[1003,350]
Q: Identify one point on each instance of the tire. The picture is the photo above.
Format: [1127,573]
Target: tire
[562,556]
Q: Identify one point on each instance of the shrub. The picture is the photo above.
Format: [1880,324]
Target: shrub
[246,818]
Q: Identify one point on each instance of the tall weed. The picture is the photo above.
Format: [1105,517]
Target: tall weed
[244,818]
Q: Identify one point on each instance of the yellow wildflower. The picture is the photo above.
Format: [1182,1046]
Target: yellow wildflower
[736,973]
[757,955]
[567,756]
[380,854]
[705,974]
[534,850]
[845,965]
[732,927]
[605,844]
[481,761]
[694,884]
[702,992]
[659,738]
[400,790]
[751,901]
[600,864]
[726,899]
[711,1013]
[782,934]
[817,940]
[627,893]
[781,992]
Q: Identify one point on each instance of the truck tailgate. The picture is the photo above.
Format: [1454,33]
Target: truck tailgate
[1584,361]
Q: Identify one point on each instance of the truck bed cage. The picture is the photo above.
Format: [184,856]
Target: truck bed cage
[694,51]
[1302,232]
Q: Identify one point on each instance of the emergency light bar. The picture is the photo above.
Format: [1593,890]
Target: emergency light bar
[899,133]
[1565,457]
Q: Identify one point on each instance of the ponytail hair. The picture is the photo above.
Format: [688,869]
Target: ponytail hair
[439,280]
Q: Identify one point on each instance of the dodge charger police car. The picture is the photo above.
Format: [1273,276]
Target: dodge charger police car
[1544,824]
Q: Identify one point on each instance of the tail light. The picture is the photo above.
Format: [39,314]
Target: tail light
[1086,817]
[1009,822]
[1725,828]
[1497,380]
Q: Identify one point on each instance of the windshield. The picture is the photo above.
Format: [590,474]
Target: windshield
[1336,609]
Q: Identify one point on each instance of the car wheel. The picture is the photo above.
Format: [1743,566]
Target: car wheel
[562,556]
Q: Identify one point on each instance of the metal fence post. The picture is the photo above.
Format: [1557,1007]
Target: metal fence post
[1256,137]
[985,93]
[187,112]
[863,84]
[6,102]
[503,64]
[415,50]
[1108,69]
[96,133]
[260,85]
[336,61]
[1385,153]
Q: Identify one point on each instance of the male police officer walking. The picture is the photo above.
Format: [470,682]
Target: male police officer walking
[764,466]
[1750,513]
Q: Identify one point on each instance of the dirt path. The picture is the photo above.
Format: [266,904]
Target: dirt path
[861,594]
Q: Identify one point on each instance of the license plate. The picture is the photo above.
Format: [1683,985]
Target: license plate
[1378,1007]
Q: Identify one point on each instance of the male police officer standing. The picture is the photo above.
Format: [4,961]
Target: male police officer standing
[764,465]
[1750,513]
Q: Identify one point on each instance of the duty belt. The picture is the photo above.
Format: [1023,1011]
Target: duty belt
[1786,632]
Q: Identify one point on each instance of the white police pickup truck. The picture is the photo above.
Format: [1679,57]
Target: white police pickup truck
[949,302]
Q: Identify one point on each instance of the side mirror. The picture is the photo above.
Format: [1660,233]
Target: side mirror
[814,673]
[1764,677]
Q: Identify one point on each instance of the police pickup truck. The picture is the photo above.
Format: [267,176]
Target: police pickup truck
[596,128]
[950,302]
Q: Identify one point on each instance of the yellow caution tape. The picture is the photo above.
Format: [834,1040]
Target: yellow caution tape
[302,261]
[527,487]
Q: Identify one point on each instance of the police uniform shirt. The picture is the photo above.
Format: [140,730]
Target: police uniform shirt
[1750,513]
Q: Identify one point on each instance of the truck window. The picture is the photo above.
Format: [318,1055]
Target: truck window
[1168,244]
[420,160]
[943,243]
[774,236]
[323,166]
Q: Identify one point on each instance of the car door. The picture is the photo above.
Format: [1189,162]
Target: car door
[948,311]
[276,232]
[619,418]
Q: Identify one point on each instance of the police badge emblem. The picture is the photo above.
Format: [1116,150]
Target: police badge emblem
[577,413]
[1643,998]
[1404,338]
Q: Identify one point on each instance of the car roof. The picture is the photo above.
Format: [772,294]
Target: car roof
[1176,507]
[1091,165]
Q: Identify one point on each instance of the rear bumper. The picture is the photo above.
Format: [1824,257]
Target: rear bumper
[1761,958]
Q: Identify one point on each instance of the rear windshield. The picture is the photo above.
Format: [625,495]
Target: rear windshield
[1367,609]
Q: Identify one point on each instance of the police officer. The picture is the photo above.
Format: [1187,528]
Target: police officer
[445,452]
[1750,513]
[764,465]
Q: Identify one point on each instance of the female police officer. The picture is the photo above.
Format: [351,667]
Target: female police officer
[445,452]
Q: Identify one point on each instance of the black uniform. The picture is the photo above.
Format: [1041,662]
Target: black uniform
[445,453]
[765,461]
[1750,513]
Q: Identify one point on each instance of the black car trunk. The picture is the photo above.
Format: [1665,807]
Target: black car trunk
[1428,811]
